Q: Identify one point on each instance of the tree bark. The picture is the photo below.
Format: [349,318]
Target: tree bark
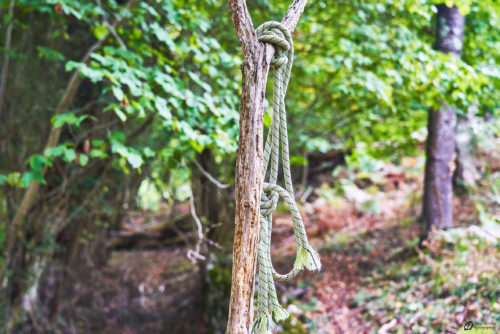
[255,67]
[6,57]
[438,190]
[440,146]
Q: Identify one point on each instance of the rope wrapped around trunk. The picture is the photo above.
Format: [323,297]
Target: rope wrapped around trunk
[269,311]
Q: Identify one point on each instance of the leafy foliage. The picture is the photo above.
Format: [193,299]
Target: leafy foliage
[367,73]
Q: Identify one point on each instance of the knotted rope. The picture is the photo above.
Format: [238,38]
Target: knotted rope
[269,311]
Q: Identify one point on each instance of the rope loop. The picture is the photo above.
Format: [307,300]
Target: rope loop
[279,36]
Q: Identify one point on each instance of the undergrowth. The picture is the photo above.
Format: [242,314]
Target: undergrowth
[452,280]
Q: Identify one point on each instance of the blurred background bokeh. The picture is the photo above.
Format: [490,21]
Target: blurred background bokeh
[118,138]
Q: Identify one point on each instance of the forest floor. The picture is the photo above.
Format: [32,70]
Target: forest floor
[375,276]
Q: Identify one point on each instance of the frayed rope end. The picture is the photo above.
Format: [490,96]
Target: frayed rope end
[279,313]
[307,258]
[263,324]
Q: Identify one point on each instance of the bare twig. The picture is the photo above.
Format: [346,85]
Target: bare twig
[115,34]
[213,243]
[111,27]
[212,179]
[306,194]
[194,255]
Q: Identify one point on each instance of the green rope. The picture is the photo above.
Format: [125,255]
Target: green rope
[269,311]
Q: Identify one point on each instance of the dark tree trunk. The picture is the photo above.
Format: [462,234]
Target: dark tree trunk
[449,30]
[440,151]
[440,147]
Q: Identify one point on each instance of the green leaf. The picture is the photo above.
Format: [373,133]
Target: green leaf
[26,179]
[49,54]
[121,115]
[55,151]
[118,93]
[61,119]
[267,120]
[69,155]
[118,136]
[37,162]
[148,152]
[135,160]
[95,153]
[83,159]
[98,142]
[101,32]
[298,160]
[67,118]
[161,106]
[29,177]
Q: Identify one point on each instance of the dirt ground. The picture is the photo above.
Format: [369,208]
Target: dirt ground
[159,291]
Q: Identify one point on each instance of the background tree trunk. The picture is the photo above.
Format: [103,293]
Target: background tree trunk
[440,147]
[6,57]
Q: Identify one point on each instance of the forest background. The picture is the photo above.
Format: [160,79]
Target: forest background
[118,143]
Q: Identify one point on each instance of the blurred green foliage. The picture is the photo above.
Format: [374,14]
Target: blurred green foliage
[366,74]
[162,60]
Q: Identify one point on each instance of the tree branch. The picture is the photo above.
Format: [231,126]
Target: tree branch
[293,14]
[212,179]
[290,21]
[243,23]
[195,255]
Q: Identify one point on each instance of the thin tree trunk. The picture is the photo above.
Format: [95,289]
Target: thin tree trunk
[6,57]
[255,67]
[440,146]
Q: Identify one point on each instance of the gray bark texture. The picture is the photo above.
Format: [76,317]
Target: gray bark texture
[440,147]
[255,67]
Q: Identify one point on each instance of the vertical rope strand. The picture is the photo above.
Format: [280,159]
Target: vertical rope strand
[269,311]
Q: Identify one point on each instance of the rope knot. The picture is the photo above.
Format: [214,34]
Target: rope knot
[269,201]
[279,36]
